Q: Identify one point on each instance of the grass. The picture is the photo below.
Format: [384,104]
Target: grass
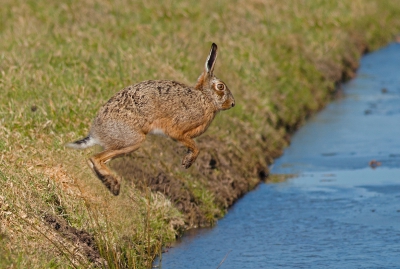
[60,61]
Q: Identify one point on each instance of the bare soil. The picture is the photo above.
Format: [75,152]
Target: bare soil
[82,240]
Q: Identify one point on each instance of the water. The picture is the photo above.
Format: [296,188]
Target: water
[336,211]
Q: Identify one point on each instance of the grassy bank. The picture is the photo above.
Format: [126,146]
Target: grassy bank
[59,62]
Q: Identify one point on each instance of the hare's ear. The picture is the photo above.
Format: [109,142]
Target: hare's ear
[212,57]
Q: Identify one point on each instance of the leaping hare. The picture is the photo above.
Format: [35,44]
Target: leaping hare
[157,107]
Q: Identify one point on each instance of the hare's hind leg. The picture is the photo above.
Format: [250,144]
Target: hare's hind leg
[97,163]
[192,154]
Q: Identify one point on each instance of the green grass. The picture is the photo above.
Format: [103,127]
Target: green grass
[60,61]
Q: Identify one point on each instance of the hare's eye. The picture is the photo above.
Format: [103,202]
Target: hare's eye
[220,86]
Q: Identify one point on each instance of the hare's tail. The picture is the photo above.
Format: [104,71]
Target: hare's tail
[82,143]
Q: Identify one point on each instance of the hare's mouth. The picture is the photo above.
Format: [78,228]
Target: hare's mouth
[228,104]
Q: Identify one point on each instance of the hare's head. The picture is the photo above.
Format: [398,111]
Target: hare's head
[213,87]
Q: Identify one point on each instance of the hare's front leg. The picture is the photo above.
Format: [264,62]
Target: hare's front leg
[97,163]
[192,154]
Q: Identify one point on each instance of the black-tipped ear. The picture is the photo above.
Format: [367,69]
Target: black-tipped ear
[212,57]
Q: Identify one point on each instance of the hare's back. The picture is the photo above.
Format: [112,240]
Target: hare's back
[152,97]
[142,102]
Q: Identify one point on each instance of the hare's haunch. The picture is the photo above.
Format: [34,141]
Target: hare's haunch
[157,107]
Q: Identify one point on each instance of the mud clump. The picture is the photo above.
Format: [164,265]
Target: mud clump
[84,241]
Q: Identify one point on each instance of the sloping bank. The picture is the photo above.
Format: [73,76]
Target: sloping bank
[282,61]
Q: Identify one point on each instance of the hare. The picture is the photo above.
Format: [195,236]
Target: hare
[163,107]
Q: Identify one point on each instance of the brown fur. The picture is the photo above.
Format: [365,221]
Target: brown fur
[155,106]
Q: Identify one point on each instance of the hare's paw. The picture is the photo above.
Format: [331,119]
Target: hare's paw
[111,183]
[103,173]
[188,160]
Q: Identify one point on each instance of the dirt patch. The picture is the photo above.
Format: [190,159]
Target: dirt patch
[173,188]
[82,240]
[219,169]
